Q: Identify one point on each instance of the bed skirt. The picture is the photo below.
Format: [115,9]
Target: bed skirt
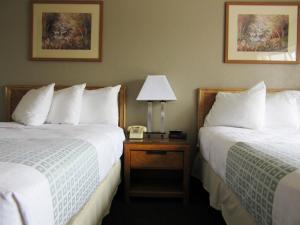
[221,197]
[99,203]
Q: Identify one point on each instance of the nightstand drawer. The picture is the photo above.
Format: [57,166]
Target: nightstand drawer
[156,159]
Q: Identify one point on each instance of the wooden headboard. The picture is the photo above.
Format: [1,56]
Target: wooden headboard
[206,99]
[14,93]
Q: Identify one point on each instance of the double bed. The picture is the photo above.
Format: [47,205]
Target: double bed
[58,174]
[252,176]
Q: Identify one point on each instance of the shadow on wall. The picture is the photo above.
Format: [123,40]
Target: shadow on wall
[137,112]
[2,103]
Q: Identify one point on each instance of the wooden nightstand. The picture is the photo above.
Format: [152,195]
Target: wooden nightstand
[156,168]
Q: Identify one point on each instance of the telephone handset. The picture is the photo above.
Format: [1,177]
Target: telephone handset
[136,132]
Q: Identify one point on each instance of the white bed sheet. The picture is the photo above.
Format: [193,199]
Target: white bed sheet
[215,142]
[107,139]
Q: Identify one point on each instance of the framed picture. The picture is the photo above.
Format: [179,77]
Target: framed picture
[261,32]
[67,30]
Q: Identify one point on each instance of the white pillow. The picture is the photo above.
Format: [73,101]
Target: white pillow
[296,95]
[100,106]
[281,111]
[245,109]
[66,105]
[34,106]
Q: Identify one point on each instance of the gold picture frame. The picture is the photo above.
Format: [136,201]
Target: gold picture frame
[66,30]
[262,32]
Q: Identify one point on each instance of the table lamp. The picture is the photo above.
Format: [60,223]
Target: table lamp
[156,88]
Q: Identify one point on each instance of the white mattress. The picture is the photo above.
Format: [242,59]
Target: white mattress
[107,139]
[215,142]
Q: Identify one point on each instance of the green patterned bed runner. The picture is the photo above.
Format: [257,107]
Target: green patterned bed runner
[70,165]
[253,171]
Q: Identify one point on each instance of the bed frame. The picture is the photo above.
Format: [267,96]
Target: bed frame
[14,93]
[206,99]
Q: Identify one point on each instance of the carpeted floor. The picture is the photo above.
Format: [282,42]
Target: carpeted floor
[147,211]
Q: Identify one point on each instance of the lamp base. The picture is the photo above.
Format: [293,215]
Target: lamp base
[151,134]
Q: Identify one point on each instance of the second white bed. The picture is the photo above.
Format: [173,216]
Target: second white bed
[216,142]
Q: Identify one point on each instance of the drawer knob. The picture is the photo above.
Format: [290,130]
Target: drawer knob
[156,152]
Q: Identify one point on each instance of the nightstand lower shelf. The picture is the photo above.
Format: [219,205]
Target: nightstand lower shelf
[156,188]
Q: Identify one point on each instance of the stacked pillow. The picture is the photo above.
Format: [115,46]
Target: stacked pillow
[281,111]
[100,106]
[245,109]
[66,105]
[71,105]
[34,106]
[254,109]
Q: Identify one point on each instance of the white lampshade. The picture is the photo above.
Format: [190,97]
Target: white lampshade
[156,88]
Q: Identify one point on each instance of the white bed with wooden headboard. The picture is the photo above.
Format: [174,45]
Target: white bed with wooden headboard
[58,174]
[252,176]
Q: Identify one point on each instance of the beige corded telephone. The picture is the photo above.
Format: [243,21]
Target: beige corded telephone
[136,132]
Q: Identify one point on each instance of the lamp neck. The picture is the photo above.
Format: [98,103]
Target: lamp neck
[149,117]
[162,116]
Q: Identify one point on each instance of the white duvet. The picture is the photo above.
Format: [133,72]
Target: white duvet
[215,143]
[14,200]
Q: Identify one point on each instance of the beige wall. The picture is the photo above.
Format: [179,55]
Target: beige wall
[183,39]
